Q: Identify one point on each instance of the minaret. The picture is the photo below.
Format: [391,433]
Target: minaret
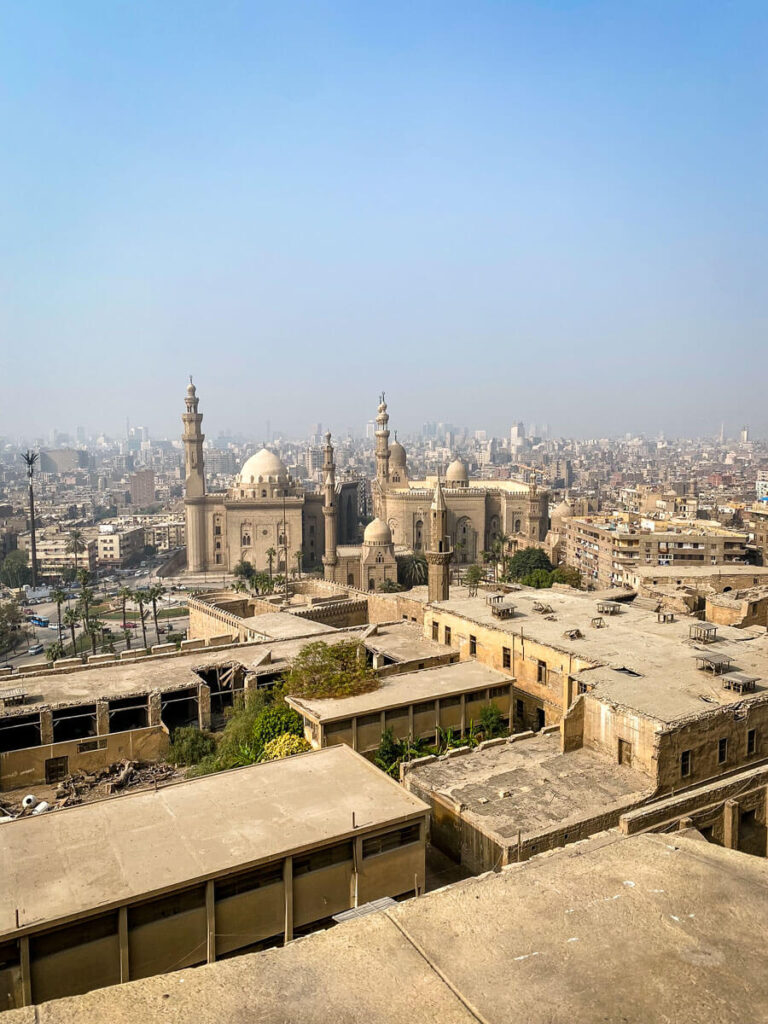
[194,489]
[439,552]
[382,443]
[329,509]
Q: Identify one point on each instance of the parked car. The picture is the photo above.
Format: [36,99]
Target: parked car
[36,649]
[132,625]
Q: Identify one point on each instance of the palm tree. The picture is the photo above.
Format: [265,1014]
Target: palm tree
[500,548]
[71,621]
[95,628]
[76,545]
[127,638]
[140,599]
[414,570]
[31,458]
[271,556]
[154,594]
[54,651]
[298,555]
[59,597]
[124,595]
[239,586]
[85,602]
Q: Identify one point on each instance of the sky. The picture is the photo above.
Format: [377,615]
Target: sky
[494,211]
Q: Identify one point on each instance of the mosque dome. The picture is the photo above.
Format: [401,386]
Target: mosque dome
[377,532]
[457,472]
[561,511]
[397,455]
[264,465]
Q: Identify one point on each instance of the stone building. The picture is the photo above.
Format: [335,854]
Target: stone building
[265,514]
[478,511]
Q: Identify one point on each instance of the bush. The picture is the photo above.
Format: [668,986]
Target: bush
[330,670]
[285,746]
[528,560]
[491,721]
[275,721]
[190,745]
[539,578]
[567,574]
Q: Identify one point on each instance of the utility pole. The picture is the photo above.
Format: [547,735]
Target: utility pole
[31,458]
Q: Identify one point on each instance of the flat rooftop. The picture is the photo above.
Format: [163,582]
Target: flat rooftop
[282,626]
[530,786]
[404,689]
[676,572]
[400,640]
[644,665]
[128,847]
[651,928]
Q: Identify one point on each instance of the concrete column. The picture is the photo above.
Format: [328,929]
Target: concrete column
[210,920]
[684,822]
[463,715]
[731,824]
[354,733]
[204,706]
[26,973]
[102,718]
[357,864]
[288,890]
[122,931]
[155,709]
[46,728]
[410,721]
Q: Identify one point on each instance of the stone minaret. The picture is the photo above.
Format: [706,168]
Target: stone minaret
[382,443]
[439,552]
[194,490]
[329,509]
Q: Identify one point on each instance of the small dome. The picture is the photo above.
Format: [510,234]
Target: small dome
[457,472]
[264,464]
[561,511]
[377,532]
[397,455]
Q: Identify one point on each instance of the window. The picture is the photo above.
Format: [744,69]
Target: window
[448,636]
[625,752]
[722,751]
[326,858]
[217,530]
[472,645]
[435,629]
[519,708]
[540,718]
[497,691]
[751,741]
[247,881]
[506,657]
[391,840]
[541,671]
[686,764]
[55,769]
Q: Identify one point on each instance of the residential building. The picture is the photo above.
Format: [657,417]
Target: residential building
[116,547]
[142,487]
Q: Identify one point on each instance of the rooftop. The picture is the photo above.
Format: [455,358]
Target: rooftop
[404,689]
[675,572]
[580,935]
[530,786]
[135,845]
[638,662]
[279,626]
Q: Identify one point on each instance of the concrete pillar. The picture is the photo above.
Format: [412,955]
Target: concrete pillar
[378,660]
[46,728]
[204,706]
[357,863]
[410,721]
[731,824]
[354,733]
[210,920]
[102,718]
[155,709]
[122,932]
[463,715]
[288,890]
[685,822]
[26,973]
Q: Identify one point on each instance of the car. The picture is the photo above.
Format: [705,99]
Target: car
[36,649]
[132,625]
[138,573]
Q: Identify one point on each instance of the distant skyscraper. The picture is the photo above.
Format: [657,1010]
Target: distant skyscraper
[744,436]
[517,436]
[142,484]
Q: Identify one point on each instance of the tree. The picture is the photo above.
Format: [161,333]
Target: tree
[54,651]
[239,586]
[271,556]
[299,556]
[95,629]
[12,631]
[412,570]
[527,560]
[330,670]
[68,574]
[127,638]
[389,587]
[285,745]
[491,721]
[243,570]
[568,575]
[124,595]
[275,720]
[15,572]
[189,745]
[76,544]
[473,576]
[85,602]
[539,578]
[155,594]
[140,599]
[58,597]
[31,458]
[150,550]
[72,621]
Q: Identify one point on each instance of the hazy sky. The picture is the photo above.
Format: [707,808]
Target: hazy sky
[549,211]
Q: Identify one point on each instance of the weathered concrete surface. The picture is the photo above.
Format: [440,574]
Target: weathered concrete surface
[639,930]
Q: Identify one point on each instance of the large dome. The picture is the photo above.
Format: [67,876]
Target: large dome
[457,472]
[262,466]
[377,532]
[561,511]
[397,455]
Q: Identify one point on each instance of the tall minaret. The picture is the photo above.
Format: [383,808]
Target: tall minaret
[329,509]
[194,491]
[382,443]
[439,552]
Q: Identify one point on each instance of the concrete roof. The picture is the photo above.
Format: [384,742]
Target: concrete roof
[544,787]
[128,847]
[646,929]
[279,626]
[694,571]
[668,685]
[404,689]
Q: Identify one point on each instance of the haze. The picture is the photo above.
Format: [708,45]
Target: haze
[494,211]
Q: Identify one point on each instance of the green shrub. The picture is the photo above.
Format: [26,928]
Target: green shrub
[330,670]
[274,721]
[285,746]
[491,721]
[189,745]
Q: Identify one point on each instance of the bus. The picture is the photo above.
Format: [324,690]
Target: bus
[39,620]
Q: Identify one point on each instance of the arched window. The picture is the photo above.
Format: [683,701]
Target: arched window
[350,579]
[418,535]
[517,526]
[263,494]
[379,558]
[246,540]
[371,583]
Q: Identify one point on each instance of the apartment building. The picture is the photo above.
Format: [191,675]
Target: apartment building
[606,548]
[142,487]
[53,555]
[116,547]
[756,519]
